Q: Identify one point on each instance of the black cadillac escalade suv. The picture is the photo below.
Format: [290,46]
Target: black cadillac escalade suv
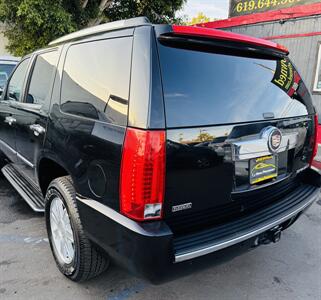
[151,145]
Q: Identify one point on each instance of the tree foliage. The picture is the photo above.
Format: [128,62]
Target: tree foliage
[200,18]
[32,24]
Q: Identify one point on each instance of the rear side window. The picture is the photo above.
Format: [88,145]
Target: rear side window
[202,88]
[42,77]
[96,78]
[16,82]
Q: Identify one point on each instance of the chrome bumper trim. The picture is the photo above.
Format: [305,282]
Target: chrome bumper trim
[227,243]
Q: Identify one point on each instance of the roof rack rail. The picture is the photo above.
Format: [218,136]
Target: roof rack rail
[133,22]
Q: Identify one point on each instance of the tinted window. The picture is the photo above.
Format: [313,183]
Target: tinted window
[96,80]
[5,71]
[41,79]
[202,88]
[16,81]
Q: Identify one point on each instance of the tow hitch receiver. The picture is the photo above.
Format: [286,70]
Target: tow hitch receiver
[271,236]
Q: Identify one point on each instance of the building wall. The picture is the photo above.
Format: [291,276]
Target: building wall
[303,50]
[3,42]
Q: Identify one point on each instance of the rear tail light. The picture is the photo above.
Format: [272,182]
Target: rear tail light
[142,178]
[315,139]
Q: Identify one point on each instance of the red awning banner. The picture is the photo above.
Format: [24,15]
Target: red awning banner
[280,14]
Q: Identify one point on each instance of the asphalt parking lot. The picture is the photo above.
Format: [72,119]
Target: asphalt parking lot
[290,269]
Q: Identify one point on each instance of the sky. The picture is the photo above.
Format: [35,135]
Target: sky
[211,8]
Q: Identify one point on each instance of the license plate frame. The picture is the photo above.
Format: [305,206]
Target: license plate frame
[263,168]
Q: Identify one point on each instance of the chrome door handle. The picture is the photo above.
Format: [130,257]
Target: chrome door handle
[37,129]
[10,120]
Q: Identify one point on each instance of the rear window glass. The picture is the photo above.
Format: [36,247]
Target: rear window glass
[202,88]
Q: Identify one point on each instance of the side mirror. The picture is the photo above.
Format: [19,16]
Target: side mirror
[30,99]
[13,96]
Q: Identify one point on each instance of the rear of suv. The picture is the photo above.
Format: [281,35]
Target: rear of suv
[153,145]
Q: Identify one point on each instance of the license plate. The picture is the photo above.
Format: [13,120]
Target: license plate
[263,168]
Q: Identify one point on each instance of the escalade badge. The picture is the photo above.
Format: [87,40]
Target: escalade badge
[274,138]
[181,207]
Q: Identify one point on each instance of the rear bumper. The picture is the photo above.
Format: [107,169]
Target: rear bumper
[152,251]
[223,236]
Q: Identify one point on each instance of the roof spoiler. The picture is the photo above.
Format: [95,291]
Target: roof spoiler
[227,36]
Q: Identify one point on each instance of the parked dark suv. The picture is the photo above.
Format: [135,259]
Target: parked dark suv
[152,145]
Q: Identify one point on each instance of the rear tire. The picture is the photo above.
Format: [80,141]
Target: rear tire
[75,255]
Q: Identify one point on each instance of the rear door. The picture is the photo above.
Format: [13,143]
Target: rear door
[87,129]
[8,111]
[31,122]
[238,126]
